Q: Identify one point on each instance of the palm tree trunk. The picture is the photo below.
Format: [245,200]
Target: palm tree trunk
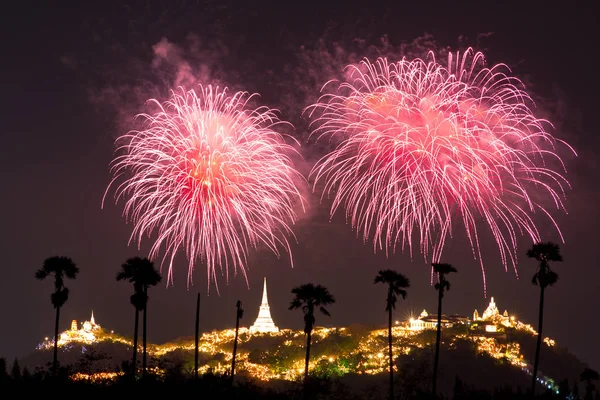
[307,357]
[55,356]
[196,337]
[437,341]
[390,350]
[135,341]
[237,328]
[144,331]
[539,341]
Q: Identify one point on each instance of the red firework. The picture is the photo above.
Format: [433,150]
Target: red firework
[421,145]
[210,176]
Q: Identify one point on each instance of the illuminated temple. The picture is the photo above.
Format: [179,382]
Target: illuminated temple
[264,323]
[491,319]
[86,334]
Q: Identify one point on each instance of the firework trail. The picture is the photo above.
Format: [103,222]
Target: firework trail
[420,146]
[209,175]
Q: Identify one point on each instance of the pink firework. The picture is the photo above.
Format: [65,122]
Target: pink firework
[209,175]
[420,146]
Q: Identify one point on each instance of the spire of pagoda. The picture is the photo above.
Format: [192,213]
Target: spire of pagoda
[265,300]
[264,323]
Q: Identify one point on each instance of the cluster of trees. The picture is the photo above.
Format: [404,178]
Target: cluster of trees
[309,298]
[413,384]
[138,271]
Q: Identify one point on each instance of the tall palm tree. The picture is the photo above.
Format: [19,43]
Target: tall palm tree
[397,285]
[443,284]
[149,276]
[140,272]
[196,336]
[61,268]
[543,252]
[238,315]
[309,297]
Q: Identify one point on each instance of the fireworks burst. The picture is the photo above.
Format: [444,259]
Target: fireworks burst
[421,145]
[209,175]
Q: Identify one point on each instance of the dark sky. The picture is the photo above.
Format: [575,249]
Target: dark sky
[73,75]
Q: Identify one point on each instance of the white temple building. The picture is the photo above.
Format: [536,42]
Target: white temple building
[91,325]
[423,322]
[264,322]
[429,321]
[492,314]
[86,334]
[492,318]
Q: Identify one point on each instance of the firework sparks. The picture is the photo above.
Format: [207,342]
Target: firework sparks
[420,145]
[209,175]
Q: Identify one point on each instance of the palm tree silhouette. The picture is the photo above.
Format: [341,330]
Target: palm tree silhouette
[61,268]
[140,272]
[197,332]
[544,277]
[238,315]
[588,375]
[397,283]
[149,276]
[309,297]
[443,284]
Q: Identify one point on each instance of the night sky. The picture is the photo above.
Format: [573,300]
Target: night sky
[74,75]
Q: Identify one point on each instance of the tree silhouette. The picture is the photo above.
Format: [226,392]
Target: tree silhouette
[588,375]
[15,372]
[238,315]
[61,268]
[441,286]
[149,276]
[196,334]
[309,297]
[140,272]
[3,372]
[397,285]
[25,375]
[544,277]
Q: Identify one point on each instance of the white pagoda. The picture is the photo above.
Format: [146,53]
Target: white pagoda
[492,314]
[264,322]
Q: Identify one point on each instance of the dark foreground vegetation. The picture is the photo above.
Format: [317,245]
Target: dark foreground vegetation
[413,383]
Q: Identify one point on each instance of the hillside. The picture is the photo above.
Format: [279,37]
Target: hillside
[355,354]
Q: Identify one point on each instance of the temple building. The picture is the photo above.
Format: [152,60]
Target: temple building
[490,320]
[91,325]
[264,323]
[429,321]
[423,322]
[85,334]
[492,315]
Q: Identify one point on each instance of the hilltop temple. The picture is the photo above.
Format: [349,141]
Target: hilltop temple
[87,332]
[264,323]
[429,321]
[490,318]
[492,314]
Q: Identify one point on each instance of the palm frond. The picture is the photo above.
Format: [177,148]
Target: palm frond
[60,297]
[324,311]
[534,279]
[296,303]
[41,274]
[443,268]
[545,252]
